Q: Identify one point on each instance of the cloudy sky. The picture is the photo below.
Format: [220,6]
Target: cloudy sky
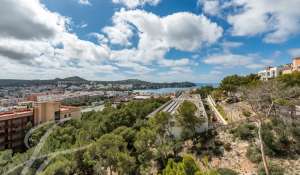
[154,40]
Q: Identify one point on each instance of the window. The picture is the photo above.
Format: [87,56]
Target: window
[57,115]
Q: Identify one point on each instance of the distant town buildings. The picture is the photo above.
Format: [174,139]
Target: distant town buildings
[273,72]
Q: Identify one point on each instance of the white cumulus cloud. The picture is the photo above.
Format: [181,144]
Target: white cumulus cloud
[276,20]
[183,31]
[35,38]
[294,52]
[230,60]
[157,35]
[136,3]
[210,7]
[84,2]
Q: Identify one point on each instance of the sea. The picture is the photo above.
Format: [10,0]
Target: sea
[172,90]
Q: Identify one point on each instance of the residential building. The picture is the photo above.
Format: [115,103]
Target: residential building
[13,127]
[13,124]
[269,73]
[49,111]
[272,72]
[296,64]
[287,69]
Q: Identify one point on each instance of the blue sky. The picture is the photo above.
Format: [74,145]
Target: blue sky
[154,40]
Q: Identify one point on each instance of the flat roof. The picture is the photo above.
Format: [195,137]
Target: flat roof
[68,108]
[15,114]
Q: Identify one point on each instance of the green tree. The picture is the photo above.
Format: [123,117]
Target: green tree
[161,124]
[111,151]
[204,91]
[292,79]
[187,166]
[144,144]
[187,118]
[60,166]
[5,157]
[233,82]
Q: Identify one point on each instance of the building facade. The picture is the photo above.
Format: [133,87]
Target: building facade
[296,64]
[14,124]
[269,73]
[273,72]
[287,69]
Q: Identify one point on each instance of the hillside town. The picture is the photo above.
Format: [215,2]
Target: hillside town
[149,87]
[22,108]
[273,72]
[213,123]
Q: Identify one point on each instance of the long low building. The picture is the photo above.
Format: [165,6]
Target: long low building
[14,124]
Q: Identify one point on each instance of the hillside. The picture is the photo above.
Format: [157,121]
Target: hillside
[137,84]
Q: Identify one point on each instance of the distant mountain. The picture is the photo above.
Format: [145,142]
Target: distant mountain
[75,79]
[140,84]
[137,84]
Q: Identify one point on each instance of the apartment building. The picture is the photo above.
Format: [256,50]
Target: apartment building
[272,72]
[287,69]
[296,64]
[13,124]
[13,127]
[269,73]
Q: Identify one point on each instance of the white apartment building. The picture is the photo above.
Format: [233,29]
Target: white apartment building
[269,73]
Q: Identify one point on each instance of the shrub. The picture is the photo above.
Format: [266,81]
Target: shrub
[227,171]
[253,154]
[245,131]
[227,147]
[246,113]
[274,169]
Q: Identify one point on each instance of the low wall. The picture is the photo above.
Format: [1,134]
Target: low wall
[212,104]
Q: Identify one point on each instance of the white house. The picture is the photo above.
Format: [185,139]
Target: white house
[269,73]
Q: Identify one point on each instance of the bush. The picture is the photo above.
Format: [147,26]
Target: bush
[218,151]
[253,154]
[204,91]
[227,147]
[246,113]
[245,131]
[226,171]
[279,139]
[274,169]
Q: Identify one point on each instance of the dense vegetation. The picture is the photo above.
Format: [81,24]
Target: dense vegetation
[115,135]
[204,91]
[120,140]
[187,166]
[232,83]
[292,79]
[273,104]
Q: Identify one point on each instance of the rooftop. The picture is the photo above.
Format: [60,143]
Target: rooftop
[15,114]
